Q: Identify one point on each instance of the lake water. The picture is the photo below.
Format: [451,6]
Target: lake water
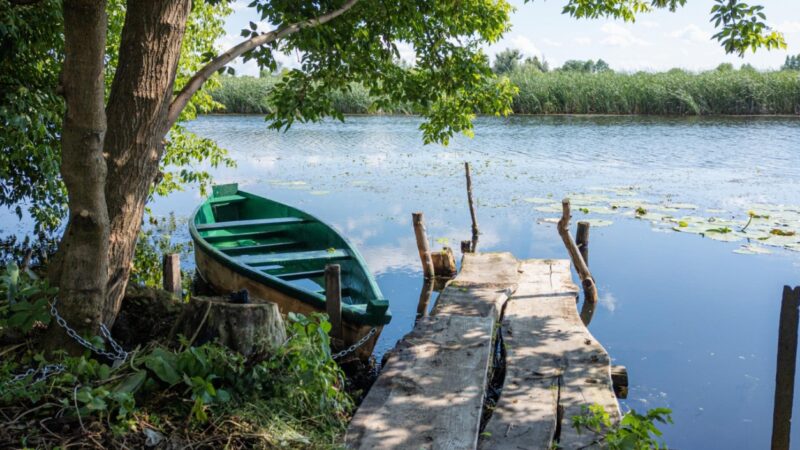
[694,323]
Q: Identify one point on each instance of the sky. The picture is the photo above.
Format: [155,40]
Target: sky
[656,41]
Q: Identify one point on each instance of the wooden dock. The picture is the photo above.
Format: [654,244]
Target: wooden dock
[431,392]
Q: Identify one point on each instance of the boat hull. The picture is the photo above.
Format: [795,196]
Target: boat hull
[223,279]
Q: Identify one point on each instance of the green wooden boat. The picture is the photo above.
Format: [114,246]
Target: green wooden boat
[279,253]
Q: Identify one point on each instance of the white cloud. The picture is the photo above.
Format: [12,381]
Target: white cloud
[648,24]
[691,33]
[582,40]
[526,46]
[619,36]
[788,26]
[551,43]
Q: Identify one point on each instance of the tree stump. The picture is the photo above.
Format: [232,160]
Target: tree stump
[249,328]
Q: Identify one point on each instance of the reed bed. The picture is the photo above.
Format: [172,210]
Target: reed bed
[676,92]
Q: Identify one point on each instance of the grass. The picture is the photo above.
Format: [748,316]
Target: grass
[676,92]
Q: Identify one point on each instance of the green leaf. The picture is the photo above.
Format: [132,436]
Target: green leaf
[162,363]
[132,383]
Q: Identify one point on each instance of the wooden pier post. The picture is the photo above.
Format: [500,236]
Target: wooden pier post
[333,299]
[589,288]
[444,263]
[582,240]
[785,370]
[422,244]
[171,271]
[466,247]
[475,230]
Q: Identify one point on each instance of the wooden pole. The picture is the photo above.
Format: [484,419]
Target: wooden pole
[582,240]
[475,231]
[333,299]
[171,271]
[784,376]
[422,244]
[466,246]
[589,288]
[424,297]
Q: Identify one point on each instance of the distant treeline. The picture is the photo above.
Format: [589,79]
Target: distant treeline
[583,88]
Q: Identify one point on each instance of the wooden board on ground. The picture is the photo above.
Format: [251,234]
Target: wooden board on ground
[430,393]
[481,288]
[552,363]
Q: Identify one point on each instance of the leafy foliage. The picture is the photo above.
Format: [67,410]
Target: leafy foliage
[298,385]
[634,432]
[31,111]
[587,66]
[507,61]
[450,82]
[743,27]
[23,300]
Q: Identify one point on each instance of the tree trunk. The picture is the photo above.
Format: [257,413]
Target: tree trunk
[137,122]
[81,266]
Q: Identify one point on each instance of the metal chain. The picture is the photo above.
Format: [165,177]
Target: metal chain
[355,346]
[119,353]
[43,374]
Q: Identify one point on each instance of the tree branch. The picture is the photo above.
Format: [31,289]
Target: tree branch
[182,99]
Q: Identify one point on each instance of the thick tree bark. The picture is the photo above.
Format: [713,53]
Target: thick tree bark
[81,266]
[137,122]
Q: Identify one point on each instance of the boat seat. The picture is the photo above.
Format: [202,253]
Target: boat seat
[258,247]
[242,236]
[290,276]
[226,199]
[249,223]
[293,257]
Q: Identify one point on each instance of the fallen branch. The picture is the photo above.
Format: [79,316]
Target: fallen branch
[589,288]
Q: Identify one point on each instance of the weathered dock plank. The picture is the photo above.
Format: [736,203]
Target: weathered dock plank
[481,288]
[430,393]
[552,363]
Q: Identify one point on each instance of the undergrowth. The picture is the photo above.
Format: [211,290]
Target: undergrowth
[169,395]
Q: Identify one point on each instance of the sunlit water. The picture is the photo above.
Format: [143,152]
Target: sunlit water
[694,323]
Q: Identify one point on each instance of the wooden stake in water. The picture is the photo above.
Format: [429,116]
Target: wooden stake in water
[475,231]
[333,299]
[582,240]
[422,244]
[589,288]
[784,376]
[171,270]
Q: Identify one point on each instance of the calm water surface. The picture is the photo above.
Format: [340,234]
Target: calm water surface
[695,324]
